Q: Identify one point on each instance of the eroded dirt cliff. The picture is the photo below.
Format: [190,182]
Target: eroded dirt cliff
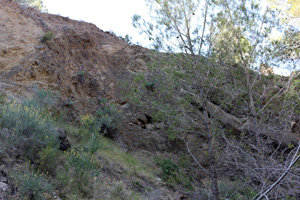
[80,61]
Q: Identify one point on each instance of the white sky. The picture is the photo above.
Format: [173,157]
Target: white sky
[108,15]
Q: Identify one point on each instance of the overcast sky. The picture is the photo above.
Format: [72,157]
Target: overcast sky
[108,15]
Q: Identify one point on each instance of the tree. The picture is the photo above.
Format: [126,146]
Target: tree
[213,50]
[287,45]
[190,74]
[289,8]
[32,3]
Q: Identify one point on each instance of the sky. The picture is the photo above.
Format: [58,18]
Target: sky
[108,15]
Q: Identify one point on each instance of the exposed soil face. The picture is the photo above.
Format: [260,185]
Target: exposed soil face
[81,62]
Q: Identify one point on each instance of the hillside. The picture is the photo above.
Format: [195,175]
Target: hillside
[70,127]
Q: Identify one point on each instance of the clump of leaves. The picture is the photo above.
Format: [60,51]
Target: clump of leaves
[47,37]
[169,168]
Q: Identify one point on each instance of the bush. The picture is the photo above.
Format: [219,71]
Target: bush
[173,173]
[168,168]
[30,128]
[32,185]
[106,114]
[46,98]
[2,99]
[48,160]
[47,37]
[82,167]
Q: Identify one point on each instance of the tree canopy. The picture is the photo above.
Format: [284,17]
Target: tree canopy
[214,49]
[33,3]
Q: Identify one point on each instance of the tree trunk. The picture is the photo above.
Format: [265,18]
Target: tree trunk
[213,171]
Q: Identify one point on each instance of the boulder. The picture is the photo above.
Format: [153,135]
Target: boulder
[64,142]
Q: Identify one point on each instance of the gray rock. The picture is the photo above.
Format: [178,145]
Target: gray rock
[3,187]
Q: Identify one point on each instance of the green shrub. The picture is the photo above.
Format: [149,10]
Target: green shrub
[77,174]
[94,143]
[47,37]
[48,160]
[173,173]
[32,185]
[46,98]
[83,168]
[118,193]
[30,128]
[106,114]
[83,162]
[88,121]
[2,99]
[169,168]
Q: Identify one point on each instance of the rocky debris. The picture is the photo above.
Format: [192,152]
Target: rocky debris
[64,142]
[4,187]
[295,127]
[109,131]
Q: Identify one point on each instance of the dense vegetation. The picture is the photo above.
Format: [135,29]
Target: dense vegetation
[44,159]
[208,84]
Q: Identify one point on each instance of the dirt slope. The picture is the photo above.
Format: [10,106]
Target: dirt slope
[81,62]
[77,48]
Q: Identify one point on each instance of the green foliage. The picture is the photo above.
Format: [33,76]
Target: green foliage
[82,162]
[106,114]
[77,173]
[127,38]
[32,3]
[169,168]
[139,78]
[174,173]
[288,197]
[118,193]
[88,121]
[290,8]
[84,167]
[2,99]
[93,144]
[184,161]
[32,185]
[46,98]
[47,37]
[249,193]
[48,160]
[31,128]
